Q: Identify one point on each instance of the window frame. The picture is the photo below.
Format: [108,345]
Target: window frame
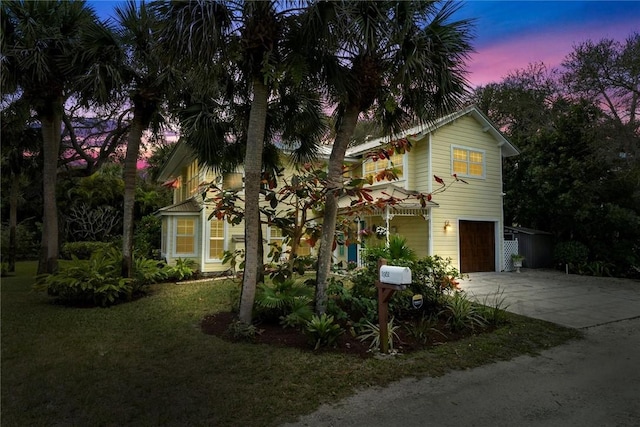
[469,150]
[223,239]
[389,165]
[193,235]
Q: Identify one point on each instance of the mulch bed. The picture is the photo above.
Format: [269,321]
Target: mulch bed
[275,335]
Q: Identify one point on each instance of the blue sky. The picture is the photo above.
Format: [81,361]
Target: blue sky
[513,34]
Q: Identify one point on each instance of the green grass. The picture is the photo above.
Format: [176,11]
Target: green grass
[147,363]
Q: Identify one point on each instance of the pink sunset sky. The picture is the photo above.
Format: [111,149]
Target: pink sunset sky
[510,35]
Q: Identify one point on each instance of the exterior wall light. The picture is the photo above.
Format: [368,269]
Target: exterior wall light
[447,226]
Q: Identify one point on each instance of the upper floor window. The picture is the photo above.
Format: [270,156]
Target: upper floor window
[372,168]
[467,162]
[233,181]
[189,180]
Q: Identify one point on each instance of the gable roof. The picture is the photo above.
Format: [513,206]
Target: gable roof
[187,206]
[176,160]
[418,132]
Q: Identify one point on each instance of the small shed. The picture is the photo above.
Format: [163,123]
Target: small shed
[535,245]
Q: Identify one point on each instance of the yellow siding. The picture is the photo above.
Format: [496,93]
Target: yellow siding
[415,230]
[480,200]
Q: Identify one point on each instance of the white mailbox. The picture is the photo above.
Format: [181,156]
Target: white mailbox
[393,275]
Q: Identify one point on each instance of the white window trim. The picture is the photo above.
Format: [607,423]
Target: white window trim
[174,247]
[469,149]
[225,241]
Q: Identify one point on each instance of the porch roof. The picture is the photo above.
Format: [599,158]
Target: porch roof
[398,200]
[187,206]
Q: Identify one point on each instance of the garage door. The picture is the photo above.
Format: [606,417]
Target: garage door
[477,246]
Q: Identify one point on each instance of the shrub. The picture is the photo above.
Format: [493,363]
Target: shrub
[148,271]
[398,249]
[4,269]
[287,301]
[184,269]
[94,282]
[147,235]
[27,241]
[83,250]
[322,331]
[358,304]
[434,277]
[462,313]
[572,253]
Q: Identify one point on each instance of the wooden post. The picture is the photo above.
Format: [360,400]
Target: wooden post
[385,292]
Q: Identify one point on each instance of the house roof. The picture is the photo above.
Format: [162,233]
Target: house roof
[171,167]
[187,206]
[387,195]
[525,230]
[418,132]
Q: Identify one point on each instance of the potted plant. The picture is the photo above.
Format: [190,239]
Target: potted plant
[517,261]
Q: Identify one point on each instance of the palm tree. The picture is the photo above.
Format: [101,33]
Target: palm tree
[43,54]
[19,142]
[147,79]
[397,60]
[237,47]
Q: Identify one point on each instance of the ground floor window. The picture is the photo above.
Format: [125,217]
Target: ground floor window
[185,235]
[216,239]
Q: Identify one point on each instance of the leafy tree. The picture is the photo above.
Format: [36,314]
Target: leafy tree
[577,173]
[607,72]
[400,61]
[91,141]
[47,47]
[239,50]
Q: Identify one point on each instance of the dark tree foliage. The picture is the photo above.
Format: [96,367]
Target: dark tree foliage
[578,174]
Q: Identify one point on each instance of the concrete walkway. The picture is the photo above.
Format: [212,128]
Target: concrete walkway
[589,382]
[565,299]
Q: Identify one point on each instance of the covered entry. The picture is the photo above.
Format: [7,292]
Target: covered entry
[477,246]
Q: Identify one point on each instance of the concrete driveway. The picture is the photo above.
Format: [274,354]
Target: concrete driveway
[590,382]
[566,299]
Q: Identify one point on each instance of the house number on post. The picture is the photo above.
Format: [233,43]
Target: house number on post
[391,279]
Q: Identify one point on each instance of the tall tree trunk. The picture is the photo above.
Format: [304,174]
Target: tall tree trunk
[253,171]
[51,126]
[130,175]
[13,220]
[335,182]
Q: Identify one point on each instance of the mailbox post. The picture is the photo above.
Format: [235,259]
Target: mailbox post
[390,279]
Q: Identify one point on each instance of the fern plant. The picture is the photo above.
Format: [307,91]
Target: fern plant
[282,299]
[95,281]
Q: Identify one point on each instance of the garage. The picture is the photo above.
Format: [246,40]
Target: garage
[477,246]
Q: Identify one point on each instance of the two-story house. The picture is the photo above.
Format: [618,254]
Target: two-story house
[464,223]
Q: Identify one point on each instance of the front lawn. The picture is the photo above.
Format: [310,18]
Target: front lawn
[148,363]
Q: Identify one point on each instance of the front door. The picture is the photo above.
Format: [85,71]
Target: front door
[477,246]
